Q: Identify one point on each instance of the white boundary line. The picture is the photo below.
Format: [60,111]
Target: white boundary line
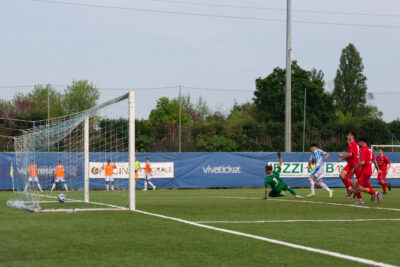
[83,209]
[293,221]
[273,241]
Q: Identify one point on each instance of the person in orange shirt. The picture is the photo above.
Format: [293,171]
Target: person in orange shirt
[147,175]
[109,171]
[33,176]
[59,176]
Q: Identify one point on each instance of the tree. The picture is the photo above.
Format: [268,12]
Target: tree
[79,96]
[269,96]
[167,112]
[197,112]
[22,104]
[350,92]
[7,109]
[38,97]
[165,118]
[217,143]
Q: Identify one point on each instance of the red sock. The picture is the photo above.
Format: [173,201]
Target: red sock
[347,183]
[358,195]
[372,191]
[384,187]
[344,180]
[350,183]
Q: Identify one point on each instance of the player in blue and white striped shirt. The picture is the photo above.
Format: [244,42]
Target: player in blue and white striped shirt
[318,156]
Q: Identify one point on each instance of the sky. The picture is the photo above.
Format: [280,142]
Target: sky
[130,47]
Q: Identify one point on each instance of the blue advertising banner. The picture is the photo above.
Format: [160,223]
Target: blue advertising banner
[185,170]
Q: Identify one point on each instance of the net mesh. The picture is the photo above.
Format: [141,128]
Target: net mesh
[49,164]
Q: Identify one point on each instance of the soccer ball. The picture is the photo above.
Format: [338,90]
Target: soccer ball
[61,198]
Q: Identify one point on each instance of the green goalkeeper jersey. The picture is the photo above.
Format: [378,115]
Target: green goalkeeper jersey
[274,180]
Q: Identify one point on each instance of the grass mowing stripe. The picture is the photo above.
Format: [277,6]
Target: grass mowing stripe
[286,200]
[335,204]
[273,241]
[293,221]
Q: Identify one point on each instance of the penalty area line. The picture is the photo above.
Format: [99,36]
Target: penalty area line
[294,221]
[273,241]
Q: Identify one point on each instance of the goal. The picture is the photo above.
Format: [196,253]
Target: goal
[61,164]
[387,148]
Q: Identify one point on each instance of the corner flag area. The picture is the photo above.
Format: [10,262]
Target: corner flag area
[229,227]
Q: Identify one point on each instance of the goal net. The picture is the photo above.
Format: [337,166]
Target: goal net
[82,161]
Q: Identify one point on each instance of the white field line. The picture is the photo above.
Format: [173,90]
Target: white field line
[90,202]
[288,200]
[273,241]
[294,221]
[76,210]
[50,201]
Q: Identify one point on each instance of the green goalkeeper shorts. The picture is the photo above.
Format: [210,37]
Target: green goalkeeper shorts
[276,192]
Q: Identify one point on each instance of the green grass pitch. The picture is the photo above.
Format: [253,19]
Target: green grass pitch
[125,238]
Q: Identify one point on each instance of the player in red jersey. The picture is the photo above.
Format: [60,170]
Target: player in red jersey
[384,166]
[361,183]
[352,160]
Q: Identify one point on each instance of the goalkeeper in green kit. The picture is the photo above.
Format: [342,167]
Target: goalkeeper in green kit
[274,185]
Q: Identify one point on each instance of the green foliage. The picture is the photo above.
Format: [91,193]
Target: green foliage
[198,111]
[39,96]
[144,135]
[217,143]
[269,97]
[394,127]
[167,112]
[256,125]
[79,96]
[341,117]
[350,92]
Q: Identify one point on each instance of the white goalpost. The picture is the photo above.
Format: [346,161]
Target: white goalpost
[80,162]
[131,151]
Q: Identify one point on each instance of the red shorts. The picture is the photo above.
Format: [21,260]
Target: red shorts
[382,176]
[357,172]
[364,180]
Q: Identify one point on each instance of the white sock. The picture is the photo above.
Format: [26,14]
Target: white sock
[38,185]
[150,183]
[107,187]
[145,185]
[324,186]
[112,187]
[312,185]
[26,187]
[65,186]
[54,186]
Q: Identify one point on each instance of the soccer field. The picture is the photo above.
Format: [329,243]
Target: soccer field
[120,238]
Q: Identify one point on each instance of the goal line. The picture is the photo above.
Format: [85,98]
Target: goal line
[110,206]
